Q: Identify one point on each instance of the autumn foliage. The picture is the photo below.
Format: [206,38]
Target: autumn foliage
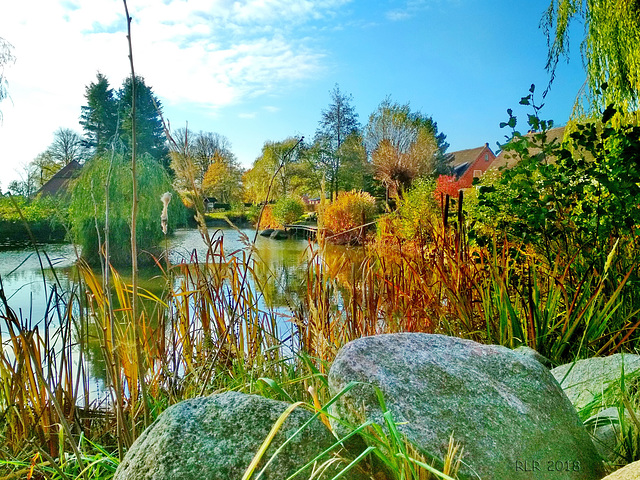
[446,185]
[349,211]
[268,220]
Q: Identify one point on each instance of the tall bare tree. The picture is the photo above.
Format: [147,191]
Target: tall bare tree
[338,121]
[67,146]
[209,147]
[402,145]
[193,154]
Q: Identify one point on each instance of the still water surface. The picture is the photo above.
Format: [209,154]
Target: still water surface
[28,287]
[32,290]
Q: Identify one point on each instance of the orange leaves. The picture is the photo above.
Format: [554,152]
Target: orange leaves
[446,185]
[347,216]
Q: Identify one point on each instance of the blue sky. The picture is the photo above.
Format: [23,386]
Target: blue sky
[258,70]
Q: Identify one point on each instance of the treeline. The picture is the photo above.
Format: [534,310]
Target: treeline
[106,120]
[383,156]
[395,147]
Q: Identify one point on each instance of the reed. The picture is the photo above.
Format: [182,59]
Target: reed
[210,330]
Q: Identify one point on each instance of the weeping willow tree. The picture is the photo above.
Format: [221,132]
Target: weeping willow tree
[610,51]
[88,206]
[6,57]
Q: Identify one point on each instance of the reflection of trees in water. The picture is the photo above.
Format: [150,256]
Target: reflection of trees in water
[38,298]
[283,274]
[281,284]
[280,271]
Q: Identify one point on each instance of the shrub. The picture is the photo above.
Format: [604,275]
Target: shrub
[45,216]
[349,211]
[288,210]
[446,185]
[268,220]
[417,206]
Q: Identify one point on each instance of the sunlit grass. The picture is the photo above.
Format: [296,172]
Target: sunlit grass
[209,330]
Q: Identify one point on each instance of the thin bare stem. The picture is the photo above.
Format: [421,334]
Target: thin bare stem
[134,215]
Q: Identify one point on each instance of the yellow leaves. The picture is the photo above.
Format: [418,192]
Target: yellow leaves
[215,174]
[350,211]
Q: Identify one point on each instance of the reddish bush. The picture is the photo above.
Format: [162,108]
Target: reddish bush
[446,185]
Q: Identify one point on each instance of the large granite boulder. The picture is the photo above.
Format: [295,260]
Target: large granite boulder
[524,350]
[605,430]
[216,437]
[505,408]
[584,381]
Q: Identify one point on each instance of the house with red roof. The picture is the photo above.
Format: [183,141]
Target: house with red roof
[471,163]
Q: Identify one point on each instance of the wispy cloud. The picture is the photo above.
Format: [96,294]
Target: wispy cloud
[205,53]
[212,51]
[409,10]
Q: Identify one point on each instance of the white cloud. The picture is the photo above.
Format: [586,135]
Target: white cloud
[410,9]
[210,53]
[398,15]
[216,51]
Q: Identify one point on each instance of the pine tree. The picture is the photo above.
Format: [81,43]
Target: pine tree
[99,117]
[150,135]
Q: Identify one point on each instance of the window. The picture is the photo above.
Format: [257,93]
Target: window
[477,173]
[486,157]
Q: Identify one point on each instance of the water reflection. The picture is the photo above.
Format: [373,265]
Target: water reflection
[28,279]
[278,265]
[40,295]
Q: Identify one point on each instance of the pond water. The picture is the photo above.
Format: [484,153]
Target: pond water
[33,283]
[28,279]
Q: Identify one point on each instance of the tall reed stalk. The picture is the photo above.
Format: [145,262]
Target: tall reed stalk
[134,215]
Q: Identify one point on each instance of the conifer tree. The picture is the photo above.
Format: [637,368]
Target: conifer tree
[150,135]
[99,117]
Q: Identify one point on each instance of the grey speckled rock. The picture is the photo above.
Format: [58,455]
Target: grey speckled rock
[524,350]
[505,408]
[605,429]
[584,380]
[216,437]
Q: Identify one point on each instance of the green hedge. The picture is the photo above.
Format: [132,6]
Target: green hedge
[45,217]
